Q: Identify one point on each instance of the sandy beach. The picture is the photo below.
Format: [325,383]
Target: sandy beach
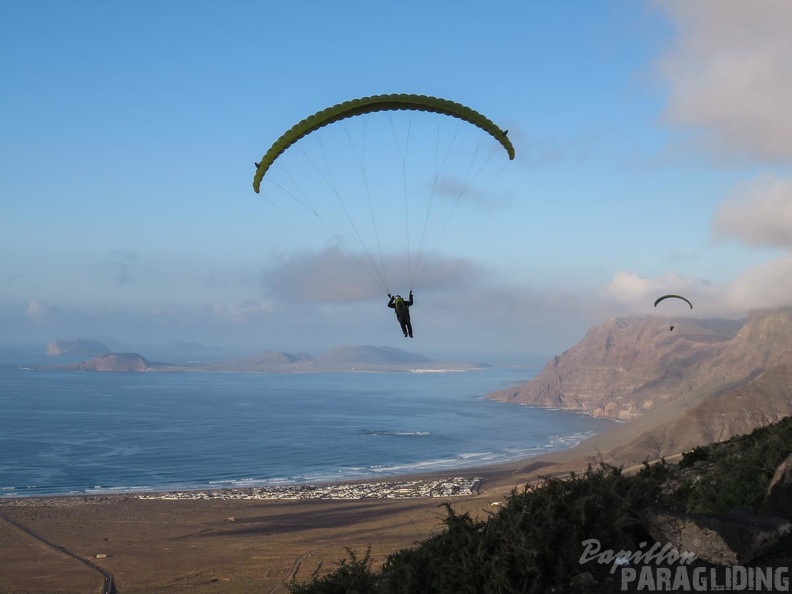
[226,544]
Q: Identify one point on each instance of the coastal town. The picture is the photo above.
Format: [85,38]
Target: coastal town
[449,487]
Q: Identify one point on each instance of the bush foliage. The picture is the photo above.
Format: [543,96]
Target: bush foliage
[534,542]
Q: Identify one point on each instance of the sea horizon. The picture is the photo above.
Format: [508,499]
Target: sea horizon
[92,433]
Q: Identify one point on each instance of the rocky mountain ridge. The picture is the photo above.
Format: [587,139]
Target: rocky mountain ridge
[706,381]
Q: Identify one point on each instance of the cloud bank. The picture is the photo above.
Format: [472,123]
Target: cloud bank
[729,80]
[758,213]
[730,76]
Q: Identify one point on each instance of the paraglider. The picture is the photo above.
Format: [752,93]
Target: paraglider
[659,299]
[323,178]
[402,308]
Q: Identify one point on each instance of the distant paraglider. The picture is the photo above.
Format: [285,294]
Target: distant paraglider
[659,299]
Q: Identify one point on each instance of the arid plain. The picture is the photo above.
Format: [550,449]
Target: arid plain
[152,545]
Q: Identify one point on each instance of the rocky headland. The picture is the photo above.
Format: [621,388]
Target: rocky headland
[705,381]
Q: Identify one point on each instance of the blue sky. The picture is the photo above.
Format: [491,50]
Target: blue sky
[652,142]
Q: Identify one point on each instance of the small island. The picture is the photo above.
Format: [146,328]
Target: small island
[365,358]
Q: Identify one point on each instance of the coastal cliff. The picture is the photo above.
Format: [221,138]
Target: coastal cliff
[625,367]
[706,381]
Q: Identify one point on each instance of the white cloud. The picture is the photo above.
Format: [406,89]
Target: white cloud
[453,189]
[730,86]
[454,317]
[120,262]
[759,213]
[628,287]
[238,313]
[635,294]
[40,312]
[730,74]
[767,285]
[682,256]
[334,275]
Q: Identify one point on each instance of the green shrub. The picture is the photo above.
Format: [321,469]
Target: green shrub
[697,454]
[352,576]
[534,542]
[739,470]
[531,545]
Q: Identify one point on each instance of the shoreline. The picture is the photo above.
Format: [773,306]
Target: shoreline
[230,544]
[446,473]
[301,489]
[395,488]
[447,463]
[469,480]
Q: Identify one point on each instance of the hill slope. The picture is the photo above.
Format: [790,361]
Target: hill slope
[706,381]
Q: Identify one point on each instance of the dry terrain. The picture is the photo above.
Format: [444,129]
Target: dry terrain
[193,546]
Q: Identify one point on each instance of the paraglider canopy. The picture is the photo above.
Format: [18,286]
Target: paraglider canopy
[392,102]
[383,176]
[659,299]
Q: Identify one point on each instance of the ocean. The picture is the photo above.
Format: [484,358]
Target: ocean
[69,432]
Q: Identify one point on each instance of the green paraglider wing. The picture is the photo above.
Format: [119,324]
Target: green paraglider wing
[674,296]
[371,104]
